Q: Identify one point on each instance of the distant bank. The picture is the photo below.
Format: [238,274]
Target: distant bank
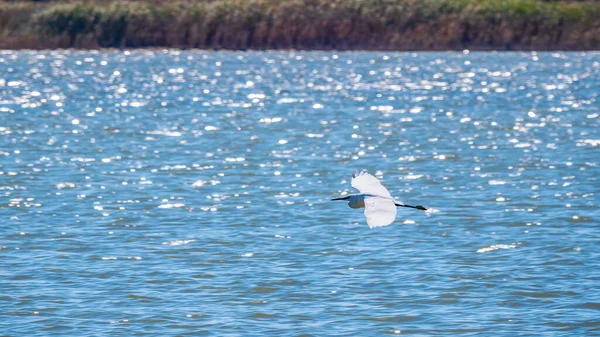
[304,24]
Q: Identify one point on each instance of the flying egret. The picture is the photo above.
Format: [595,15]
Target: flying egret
[379,205]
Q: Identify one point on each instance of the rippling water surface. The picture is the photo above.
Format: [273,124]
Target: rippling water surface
[187,193]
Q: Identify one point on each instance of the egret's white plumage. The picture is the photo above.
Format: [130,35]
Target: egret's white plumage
[367,184]
[379,205]
[379,211]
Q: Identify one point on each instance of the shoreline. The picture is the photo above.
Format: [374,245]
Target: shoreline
[304,25]
[175,49]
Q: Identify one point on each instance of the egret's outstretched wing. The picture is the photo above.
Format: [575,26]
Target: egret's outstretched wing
[379,211]
[367,184]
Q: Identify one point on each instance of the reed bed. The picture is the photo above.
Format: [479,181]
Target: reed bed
[304,24]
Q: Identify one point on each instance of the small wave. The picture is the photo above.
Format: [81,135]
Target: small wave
[269,120]
[496,247]
[591,142]
[167,133]
[382,108]
[174,167]
[177,242]
[83,159]
[200,183]
[60,186]
[172,206]
[432,210]
[287,100]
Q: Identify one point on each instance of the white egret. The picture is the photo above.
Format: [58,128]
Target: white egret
[379,205]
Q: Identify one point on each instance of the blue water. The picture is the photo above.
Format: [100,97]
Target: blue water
[186,193]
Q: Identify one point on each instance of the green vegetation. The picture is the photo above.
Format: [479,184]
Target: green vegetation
[304,24]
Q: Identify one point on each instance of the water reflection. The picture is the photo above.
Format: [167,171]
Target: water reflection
[196,184]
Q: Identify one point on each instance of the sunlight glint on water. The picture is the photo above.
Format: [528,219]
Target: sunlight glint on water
[187,192]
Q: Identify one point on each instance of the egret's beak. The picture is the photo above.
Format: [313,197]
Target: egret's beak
[341,198]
